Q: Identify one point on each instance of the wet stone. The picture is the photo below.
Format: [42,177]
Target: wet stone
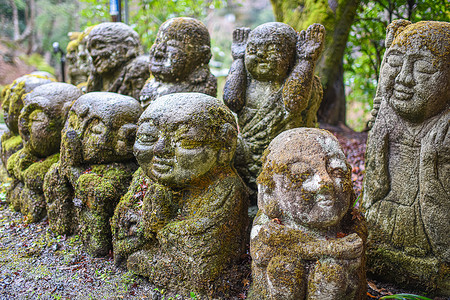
[408,159]
[271,87]
[307,242]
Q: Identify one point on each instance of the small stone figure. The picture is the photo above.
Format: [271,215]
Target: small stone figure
[116,65]
[76,76]
[179,61]
[406,184]
[95,168]
[271,87]
[40,124]
[307,242]
[12,104]
[183,220]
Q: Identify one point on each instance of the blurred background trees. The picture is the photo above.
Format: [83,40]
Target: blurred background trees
[348,69]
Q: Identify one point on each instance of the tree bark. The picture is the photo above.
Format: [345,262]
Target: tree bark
[337,16]
[15,16]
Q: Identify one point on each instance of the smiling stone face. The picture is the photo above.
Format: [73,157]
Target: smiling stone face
[100,129]
[305,179]
[270,51]
[414,78]
[110,45]
[183,137]
[181,45]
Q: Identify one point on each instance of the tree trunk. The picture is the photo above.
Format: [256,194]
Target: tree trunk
[337,16]
[15,16]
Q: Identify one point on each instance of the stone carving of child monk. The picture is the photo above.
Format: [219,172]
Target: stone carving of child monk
[183,221]
[40,124]
[306,241]
[12,104]
[116,64]
[95,168]
[76,76]
[406,185]
[271,87]
[179,61]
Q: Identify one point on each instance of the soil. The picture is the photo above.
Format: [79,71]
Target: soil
[37,264]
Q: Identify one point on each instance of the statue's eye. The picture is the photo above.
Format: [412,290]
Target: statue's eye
[423,66]
[147,134]
[98,128]
[395,60]
[38,116]
[147,138]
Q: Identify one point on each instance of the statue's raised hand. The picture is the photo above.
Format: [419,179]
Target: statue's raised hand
[240,37]
[310,42]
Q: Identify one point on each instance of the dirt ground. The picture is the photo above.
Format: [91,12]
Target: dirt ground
[37,264]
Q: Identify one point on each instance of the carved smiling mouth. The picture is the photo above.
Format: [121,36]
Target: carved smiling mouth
[162,165]
[402,93]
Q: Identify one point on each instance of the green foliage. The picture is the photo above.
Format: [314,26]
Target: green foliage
[365,45]
[36,60]
[405,297]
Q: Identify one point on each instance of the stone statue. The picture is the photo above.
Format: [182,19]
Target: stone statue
[406,184]
[40,124]
[271,87]
[183,220]
[95,168]
[179,61]
[12,104]
[307,242]
[76,76]
[116,65]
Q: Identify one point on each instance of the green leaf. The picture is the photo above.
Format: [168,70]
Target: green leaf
[405,297]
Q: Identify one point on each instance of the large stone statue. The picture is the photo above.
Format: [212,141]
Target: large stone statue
[271,86]
[40,124]
[407,179]
[95,168]
[307,242]
[183,220]
[179,61]
[116,65]
[12,104]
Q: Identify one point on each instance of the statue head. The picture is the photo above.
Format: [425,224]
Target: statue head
[100,128]
[414,78]
[305,178]
[111,45]
[271,51]
[43,116]
[185,137]
[74,73]
[181,46]
[13,94]
[83,58]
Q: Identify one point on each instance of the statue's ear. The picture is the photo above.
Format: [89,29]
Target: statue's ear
[132,49]
[228,134]
[206,53]
[393,30]
[125,140]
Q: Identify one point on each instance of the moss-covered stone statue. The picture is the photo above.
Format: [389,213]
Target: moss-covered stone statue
[406,184]
[179,61]
[183,220]
[271,87]
[40,124]
[12,104]
[307,242]
[95,167]
[117,65]
[76,76]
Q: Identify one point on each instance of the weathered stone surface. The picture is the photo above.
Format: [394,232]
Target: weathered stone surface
[183,220]
[116,65]
[95,168]
[75,75]
[307,242]
[12,104]
[408,160]
[271,87]
[40,123]
[179,61]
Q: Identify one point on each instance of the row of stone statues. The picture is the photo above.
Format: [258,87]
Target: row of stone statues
[158,180]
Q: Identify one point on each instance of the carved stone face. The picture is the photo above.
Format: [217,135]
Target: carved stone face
[43,117]
[305,178]
[270,51]
[414,79]
[12,102]
[179,140]
[100,128]
[110,45]
[83,58]
[181,45]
